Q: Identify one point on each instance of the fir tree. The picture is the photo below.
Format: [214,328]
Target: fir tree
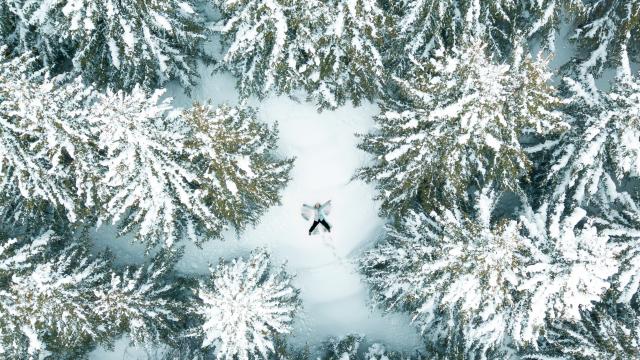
[457,127]
[171,175]
[47,162]
[112,43]
[454,274]
[244,306]
[147,185]
[258,43]
[345,61]
[50,296]
[606,332]
[428,25]
[575,262]
[591,165]
[233,154]
[343,348]
[606,31]
[589,162]
[471,284]
[68,152]
[141,301]
[330,48]
[541,20]
[59,300]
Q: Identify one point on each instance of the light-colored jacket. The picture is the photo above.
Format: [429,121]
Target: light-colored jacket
[318,213]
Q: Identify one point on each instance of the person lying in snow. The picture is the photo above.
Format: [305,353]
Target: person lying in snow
[319,213]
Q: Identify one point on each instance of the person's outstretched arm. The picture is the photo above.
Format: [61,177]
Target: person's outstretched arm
[308,206]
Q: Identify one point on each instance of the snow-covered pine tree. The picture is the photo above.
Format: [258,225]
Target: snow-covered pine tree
[57,299]
[258,43]
[345,61]
[457,126]
[595,164]
[378,351]
[122,44]
[608,331]
[622,227]
[148,185]
[471,284]
[589,162]
[19,31]
[342,348]
[605,32]
[575,262]
[331,48]
[50,295]
[457,276]
[233,154]
[141,301]
[116,44]
[244,306]
[425,26]
[428,25]
[171,175]
[47,161]
[540,20]
[17,339]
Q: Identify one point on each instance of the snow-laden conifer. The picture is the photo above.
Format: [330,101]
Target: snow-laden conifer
[574,264]
[59,300]
[113,43]
[148,184]
[592,165]
[454,274]
[606,332]
[141,301]
[244,305]
[345,61]
[606,31]
[258,42]
[457,126]
[47,161]
[342,348]
[428,25]
[232,153]
[69,151]
[171,175]
[601,148]
[473,286]
[330,48]
[51,296]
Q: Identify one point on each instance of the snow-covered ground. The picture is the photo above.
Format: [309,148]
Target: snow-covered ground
[324,144]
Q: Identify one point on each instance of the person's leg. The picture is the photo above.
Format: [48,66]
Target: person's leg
[315,223]
[326,225]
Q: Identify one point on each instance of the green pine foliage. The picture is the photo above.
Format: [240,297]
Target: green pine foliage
[427,25]
[485,289]
[234,152]
[189,175]
[345,61]
[245,306]
[609,331]
[47,161]
[72,153]
[58,300]
[457,126]
[589,162]
[116,44]
[605,32]
[330,48]
[343,348]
